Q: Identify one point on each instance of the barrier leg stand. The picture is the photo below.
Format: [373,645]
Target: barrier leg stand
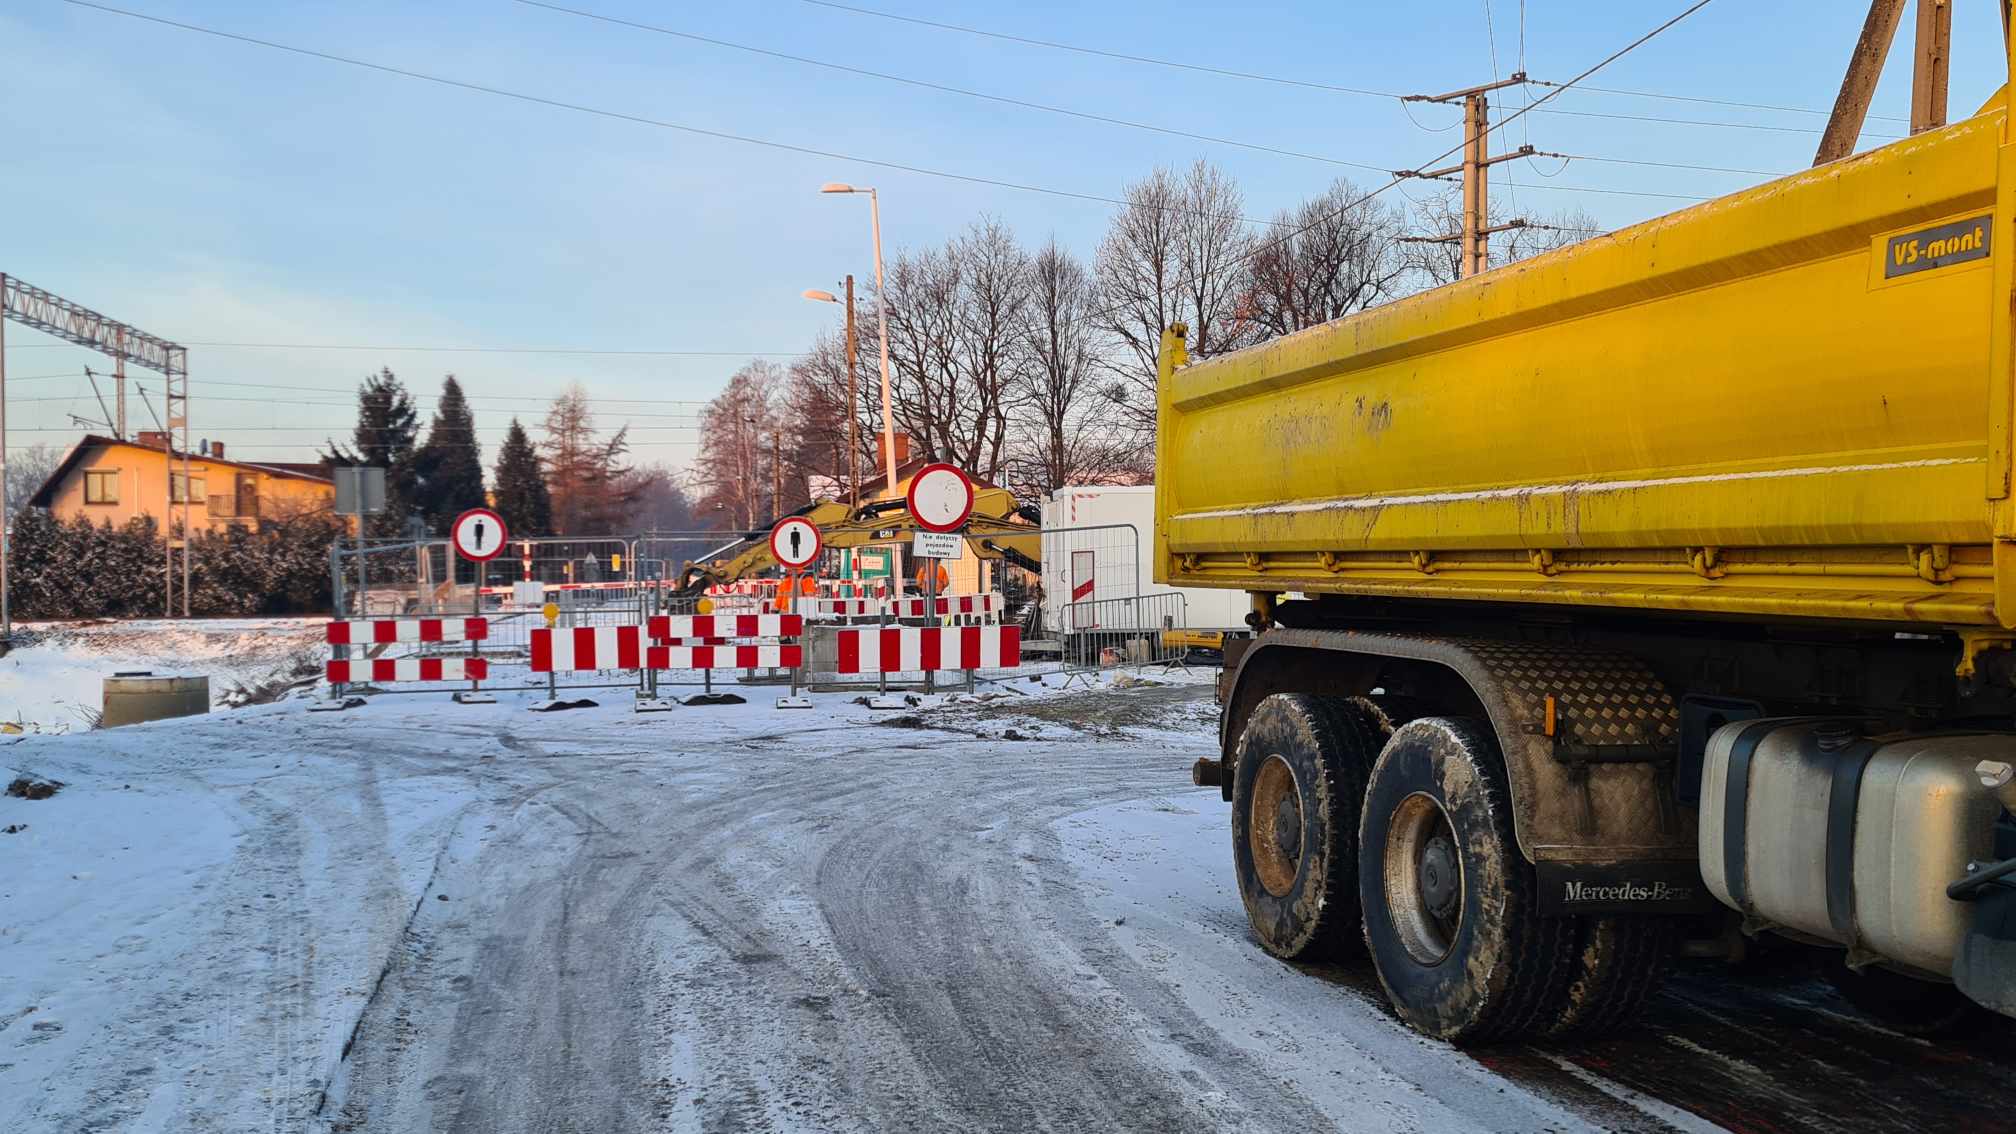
[474,695]
[707,696]
[882,699]
[648,700]
[793,700]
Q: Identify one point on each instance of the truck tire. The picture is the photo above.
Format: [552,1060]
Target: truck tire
[1450,907]
[1618,965]
[1921,1008]
[1296,790]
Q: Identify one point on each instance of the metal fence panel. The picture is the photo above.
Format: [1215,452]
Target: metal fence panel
[1121,631]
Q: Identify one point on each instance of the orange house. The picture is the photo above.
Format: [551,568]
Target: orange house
[106,478]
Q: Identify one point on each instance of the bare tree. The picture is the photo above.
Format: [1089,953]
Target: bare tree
[816,417]
[27,469]
[734,467]
[586,478]
[1334,254]
[954,314]
[1064,430]
[1437,263]
[1174,253]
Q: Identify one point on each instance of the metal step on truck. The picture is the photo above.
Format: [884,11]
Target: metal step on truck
[1660,589]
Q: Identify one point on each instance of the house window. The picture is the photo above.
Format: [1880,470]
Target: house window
[101,486]
[186,489]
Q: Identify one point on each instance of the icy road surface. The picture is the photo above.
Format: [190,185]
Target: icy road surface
[417,916]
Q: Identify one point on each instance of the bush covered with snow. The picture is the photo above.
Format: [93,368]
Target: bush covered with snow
[77,569]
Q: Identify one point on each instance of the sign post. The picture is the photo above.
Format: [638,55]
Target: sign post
[478,536]
[940,498]
[794,542]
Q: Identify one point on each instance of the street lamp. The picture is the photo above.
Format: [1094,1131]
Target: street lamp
[853,407]
[882,318]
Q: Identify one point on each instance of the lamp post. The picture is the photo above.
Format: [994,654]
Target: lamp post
[853,407]
[882,318]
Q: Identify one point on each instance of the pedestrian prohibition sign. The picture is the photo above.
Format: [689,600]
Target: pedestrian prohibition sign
[478,535]
[795,541]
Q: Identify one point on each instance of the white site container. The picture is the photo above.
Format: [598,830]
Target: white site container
[1087,558]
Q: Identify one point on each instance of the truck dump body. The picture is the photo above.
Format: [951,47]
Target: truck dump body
[1789,402]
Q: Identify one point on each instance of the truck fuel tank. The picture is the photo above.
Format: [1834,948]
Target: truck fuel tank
[1815,827]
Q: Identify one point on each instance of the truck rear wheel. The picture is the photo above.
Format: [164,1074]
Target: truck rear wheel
[1619,964]
[1449,905]
[1296,791]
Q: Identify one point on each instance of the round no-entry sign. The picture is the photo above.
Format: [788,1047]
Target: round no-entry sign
[940,498]
[795,541]
[478,534]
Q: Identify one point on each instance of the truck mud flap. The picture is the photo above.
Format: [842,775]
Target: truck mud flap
[1640,887]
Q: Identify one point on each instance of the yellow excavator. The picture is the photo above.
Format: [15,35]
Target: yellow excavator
[1000,527]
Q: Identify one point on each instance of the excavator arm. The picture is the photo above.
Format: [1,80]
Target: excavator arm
[999,528]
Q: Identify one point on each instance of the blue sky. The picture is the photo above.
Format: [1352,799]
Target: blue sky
[214,192]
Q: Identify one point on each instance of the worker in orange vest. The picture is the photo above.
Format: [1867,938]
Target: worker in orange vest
[943,578]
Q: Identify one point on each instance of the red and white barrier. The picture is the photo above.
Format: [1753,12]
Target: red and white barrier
[843,607]
[903,649]
[745,587]
[408,669]
[618,585]
[946,604]
[985,605]
[772,655]
[384,631]
[725,625]
[627,647]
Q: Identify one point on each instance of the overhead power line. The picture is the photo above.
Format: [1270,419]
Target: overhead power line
[662,124]
[600,112]
[1284,80]
[1737,103]
[944,88]
[1101,53]
[1515,116]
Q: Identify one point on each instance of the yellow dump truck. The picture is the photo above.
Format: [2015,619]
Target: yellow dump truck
[1665,577]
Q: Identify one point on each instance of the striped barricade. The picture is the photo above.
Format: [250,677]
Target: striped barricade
[987,605]
[408,669]
[663,626]
[842,607]
[587,648]
[911,649]
[945,605]
[363,634]
[391,631]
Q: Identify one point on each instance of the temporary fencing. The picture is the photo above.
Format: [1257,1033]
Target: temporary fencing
[408,669]
[1121,631]
[411,612]
[926,649]
[388,631]
[587,649]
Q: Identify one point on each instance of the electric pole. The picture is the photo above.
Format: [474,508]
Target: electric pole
[1475,170]
[776,474]
[853,410]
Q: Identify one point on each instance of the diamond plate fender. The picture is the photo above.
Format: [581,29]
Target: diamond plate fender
[1599,789]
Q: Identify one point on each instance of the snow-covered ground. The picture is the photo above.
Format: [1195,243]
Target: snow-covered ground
[52,680]
[1008,915]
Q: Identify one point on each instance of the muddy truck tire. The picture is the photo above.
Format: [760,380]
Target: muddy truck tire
[1450,907]
[1298,783]
[1618,964]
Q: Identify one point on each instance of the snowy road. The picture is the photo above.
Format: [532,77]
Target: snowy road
[417,916]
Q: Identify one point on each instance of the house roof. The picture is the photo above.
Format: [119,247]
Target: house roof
[877,486]
[45,494]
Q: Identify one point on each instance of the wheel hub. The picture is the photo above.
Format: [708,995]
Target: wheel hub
[1440,883]
[1274,827]
[1288,827]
